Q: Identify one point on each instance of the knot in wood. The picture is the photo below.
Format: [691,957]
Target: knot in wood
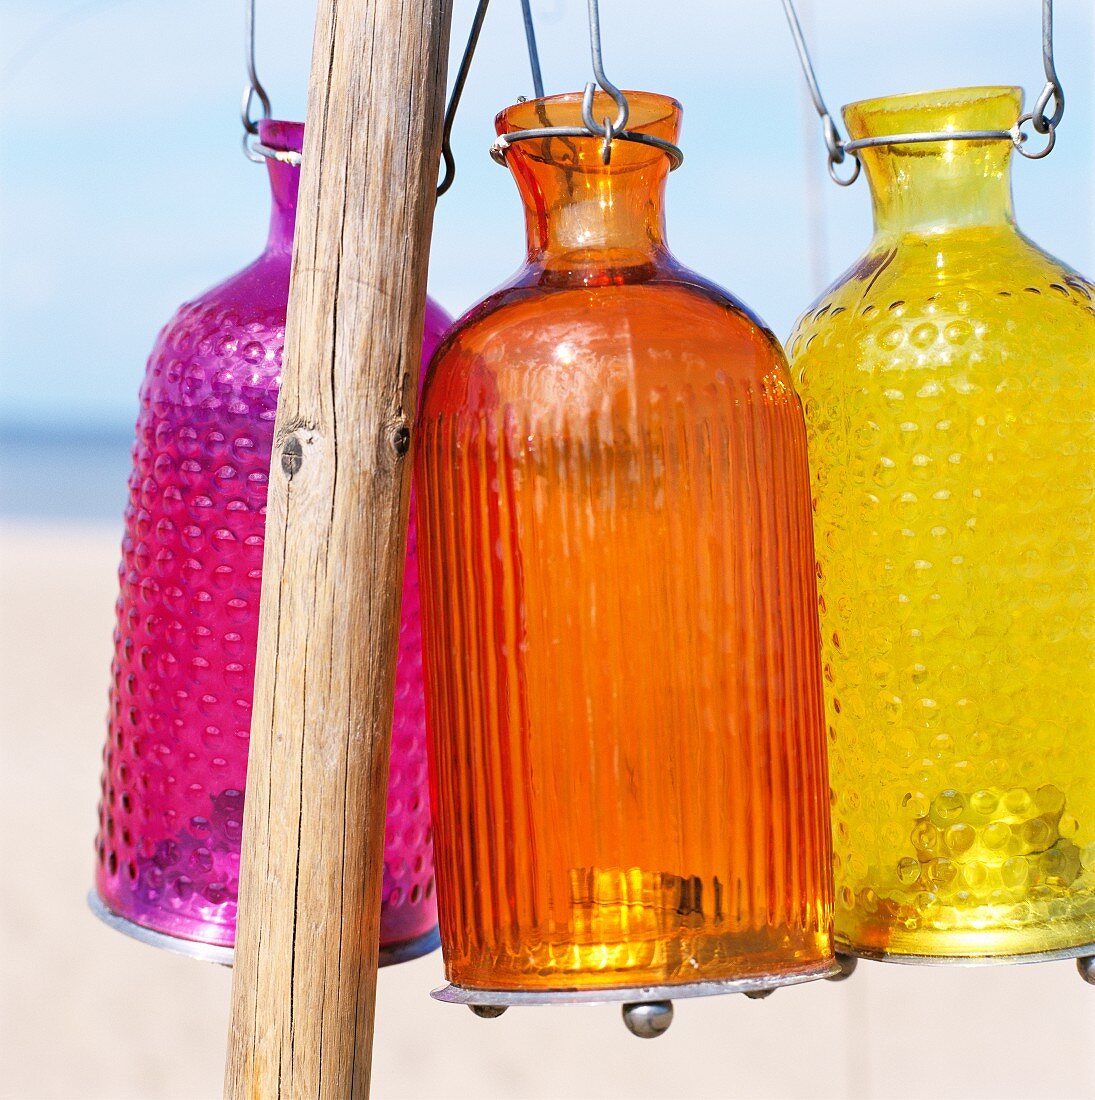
[292,456]
[401,440]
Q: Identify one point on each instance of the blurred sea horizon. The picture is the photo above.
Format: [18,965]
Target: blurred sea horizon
[66,473]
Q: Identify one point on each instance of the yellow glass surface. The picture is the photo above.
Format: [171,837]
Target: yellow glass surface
[947,385]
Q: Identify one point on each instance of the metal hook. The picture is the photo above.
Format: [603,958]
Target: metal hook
[1053,89]
[254,89]
[609,129]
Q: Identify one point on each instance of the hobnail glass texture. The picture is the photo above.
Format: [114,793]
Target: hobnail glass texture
[187,617]
[623,680]
[947,386]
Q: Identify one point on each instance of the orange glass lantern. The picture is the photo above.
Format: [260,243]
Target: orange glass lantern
[622,656]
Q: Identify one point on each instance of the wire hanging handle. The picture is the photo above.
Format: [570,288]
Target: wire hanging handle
[254,90]
[533,49]
[839,149]
[609,130]
[1043,123]
[607,127]
[255,150]
[834,143]
[447,156]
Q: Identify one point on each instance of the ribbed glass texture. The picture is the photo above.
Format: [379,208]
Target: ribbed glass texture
[175,760]
[623,682]
[947,381]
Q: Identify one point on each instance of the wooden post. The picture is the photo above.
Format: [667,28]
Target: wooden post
[304,987]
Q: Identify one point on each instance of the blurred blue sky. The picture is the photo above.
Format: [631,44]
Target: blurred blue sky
[123,190]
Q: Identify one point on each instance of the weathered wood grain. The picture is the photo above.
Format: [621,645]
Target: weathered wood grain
[305,977]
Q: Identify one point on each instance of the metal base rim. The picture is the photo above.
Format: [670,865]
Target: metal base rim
[224,956]
[194,949]
[499,998]
[1062,954]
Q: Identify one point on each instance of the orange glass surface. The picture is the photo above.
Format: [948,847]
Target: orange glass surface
[622,652]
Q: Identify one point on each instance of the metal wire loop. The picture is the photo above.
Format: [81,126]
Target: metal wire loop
[1020,139]
[1042,122]
[844,181]
[925,136]
[1015,135]
[254,90]
[268,152]
[498,149]
[832,139]
[839,148]
[250,94]
[609,130]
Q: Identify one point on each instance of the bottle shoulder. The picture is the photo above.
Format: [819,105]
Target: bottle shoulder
[672,329]
[904,302]
[224,345]
[655,295]
[257,293]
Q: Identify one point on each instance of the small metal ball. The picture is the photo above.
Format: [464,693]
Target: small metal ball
[488,1012]
[650,1019]
[759,994]
[847,964]
[1086,967]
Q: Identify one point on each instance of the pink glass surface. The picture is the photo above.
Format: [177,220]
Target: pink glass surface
[187,617]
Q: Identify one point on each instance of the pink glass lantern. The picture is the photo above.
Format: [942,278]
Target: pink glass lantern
[185,645]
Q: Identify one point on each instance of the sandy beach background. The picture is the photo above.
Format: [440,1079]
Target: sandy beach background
[88,1013]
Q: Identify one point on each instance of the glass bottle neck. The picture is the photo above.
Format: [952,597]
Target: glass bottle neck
[284,182]
[940,186]
[584,217]
[589,222]
[943,186]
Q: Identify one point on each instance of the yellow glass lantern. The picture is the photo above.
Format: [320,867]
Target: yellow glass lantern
[947,383]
